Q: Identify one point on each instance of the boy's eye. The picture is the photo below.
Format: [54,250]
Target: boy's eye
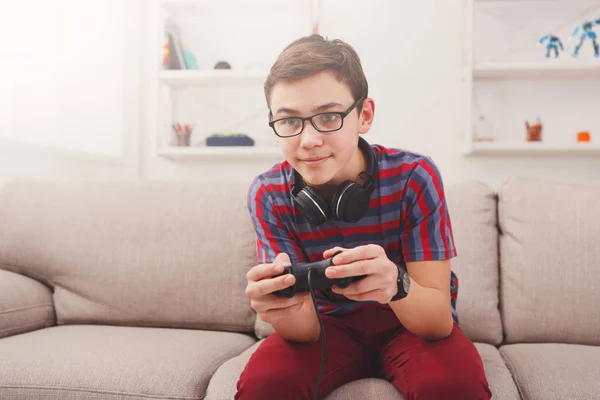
[291,121]
[328,120]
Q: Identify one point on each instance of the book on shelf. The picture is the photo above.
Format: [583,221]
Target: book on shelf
[175,55]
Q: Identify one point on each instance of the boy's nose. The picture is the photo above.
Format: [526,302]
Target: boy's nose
[310,137]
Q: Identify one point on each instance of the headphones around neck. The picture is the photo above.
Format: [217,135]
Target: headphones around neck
[350,200]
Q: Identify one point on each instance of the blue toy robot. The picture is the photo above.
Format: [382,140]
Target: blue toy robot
[586,30]
[552,43]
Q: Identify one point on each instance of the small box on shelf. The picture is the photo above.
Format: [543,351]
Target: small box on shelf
[229,139]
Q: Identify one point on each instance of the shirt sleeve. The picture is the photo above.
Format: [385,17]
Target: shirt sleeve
[427,231]
[272,237]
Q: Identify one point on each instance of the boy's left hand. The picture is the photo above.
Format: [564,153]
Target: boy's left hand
[380,285]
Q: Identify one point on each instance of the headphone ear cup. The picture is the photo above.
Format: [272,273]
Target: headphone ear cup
[312,205]
[350,202]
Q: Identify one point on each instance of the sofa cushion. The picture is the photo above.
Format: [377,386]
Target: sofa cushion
[473,213]
[25,304]
[164,254]
[549,371]
[501,382]
[368,388]
[223,383]
[262,329]
[550,268]
[112,362]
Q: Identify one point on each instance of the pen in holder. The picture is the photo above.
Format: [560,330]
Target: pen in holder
[534,131]
[182,133]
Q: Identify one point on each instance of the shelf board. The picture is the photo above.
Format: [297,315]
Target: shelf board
[221,152]
[186,78]
[534,1]
[19,145]
[539,70]
[212,3]
[198,7]
[534,147]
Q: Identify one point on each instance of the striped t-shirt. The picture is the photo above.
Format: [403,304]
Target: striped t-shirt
[407,216]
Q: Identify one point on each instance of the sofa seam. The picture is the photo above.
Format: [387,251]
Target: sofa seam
[510,368]
[118,393]
[11,310]
[500,286]
[22,271]
[26,326]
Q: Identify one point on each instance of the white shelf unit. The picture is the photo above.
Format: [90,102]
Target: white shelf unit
[247,74]
[535,148]
[543,71]
[218,152]
[532,1]
[189,78]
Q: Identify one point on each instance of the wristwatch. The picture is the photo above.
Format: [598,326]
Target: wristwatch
[403,284]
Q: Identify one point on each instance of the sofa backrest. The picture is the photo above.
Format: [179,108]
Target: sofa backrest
[168,254]
[473,215]
[550,261]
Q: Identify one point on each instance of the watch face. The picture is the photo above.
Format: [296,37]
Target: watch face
[406,282]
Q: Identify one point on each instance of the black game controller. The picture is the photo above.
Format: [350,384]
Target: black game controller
[318,278]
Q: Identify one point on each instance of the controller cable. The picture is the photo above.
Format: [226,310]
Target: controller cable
[323,338]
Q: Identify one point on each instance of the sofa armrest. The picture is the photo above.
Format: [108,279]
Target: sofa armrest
[25,304]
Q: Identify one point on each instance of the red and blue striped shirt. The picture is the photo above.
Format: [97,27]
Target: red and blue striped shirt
[407,216]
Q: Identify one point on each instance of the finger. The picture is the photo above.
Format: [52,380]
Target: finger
[267,303]
[268,270]
[328,253]
[365,252]
[271,316]
[363,286]
[263,271]
[268,286]
[282,259]
[356,268]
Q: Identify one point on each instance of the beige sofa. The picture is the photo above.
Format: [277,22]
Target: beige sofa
[136,290]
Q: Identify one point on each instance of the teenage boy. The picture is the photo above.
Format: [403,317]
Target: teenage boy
[385,209]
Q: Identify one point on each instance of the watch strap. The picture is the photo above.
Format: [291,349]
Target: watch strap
[400,283]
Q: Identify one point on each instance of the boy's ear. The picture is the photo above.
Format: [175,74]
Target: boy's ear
[367,113]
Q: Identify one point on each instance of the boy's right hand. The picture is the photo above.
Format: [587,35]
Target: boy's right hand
[261,284]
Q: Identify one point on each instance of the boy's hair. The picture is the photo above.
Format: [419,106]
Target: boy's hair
[314,54]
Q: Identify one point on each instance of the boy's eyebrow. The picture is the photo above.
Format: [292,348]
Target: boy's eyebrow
[316,109]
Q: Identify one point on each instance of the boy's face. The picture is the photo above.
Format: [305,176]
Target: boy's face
[322,157]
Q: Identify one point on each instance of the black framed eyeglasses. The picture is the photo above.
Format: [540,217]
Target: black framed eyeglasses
[330,121]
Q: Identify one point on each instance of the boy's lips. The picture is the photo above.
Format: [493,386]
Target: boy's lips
[314,160]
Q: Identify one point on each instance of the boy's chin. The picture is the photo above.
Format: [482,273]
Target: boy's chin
[319,176]
[317,180]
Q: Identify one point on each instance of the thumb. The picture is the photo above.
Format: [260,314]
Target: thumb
[328,253]
[282,259]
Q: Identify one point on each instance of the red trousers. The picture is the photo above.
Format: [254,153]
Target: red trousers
[366,342]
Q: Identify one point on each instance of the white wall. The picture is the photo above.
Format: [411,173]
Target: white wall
[411,53]
[69,89]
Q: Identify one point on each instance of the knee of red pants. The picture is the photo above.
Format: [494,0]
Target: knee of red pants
[268,383]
